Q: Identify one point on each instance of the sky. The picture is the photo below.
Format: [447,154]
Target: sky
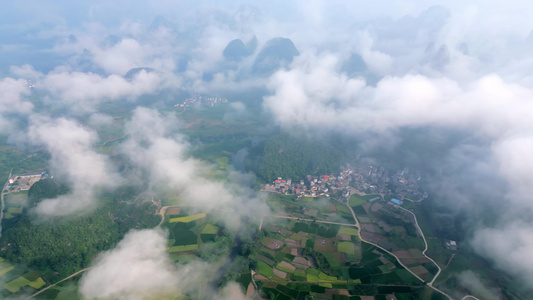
[420,64]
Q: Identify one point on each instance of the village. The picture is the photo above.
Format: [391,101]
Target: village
[367,179]
[200,101]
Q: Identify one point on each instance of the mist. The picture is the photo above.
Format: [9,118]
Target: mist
[362,71]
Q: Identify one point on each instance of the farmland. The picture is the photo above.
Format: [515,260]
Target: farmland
[295,259]
[191,232]
[17,279]
[394,230]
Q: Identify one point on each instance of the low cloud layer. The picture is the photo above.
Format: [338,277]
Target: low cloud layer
[139,267]
[80,92]
[75,161]
[314,94]
[163,159]
[474,284]
[12,102]
[441,64]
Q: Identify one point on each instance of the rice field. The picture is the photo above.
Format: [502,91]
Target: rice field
[356,200]
[5,269]
[348,231]
[264,269]
[210,229]
[183,248]
[15,285]
[188,219]
[37,284]
[346,247]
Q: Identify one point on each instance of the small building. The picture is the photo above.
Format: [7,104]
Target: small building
[396,201]
[451,245]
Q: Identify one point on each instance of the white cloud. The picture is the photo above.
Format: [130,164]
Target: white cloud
[473,283]
[509,247]
[165,156]
[140,268]
[83,91]
[314,95]
[12,101]
[73,160]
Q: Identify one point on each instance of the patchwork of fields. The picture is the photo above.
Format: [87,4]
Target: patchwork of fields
[18,280]
[394,230]
[298,259]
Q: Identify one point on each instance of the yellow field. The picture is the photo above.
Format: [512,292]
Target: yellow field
[188,218]
[183,248]
[15,285]
[6,269]
[37,284]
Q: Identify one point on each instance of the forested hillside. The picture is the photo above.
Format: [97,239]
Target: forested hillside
[290,157]
[61,247]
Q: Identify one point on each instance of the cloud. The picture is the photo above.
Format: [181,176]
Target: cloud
[98,120]
[472,282]
[139,267]
[83,91]
[12,103]
[74,160]
[232,291]
[509,247]
[314,94]
[441,64]
[164,158]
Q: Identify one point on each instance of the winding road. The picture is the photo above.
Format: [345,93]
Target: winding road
[426,246]
[399,261]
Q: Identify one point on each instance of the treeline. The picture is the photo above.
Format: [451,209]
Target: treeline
[294,157]
[19,161]
[60,247]
[46,189]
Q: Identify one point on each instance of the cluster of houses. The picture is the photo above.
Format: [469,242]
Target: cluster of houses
[313,186]
[402,183]
[200,101]
[367,178]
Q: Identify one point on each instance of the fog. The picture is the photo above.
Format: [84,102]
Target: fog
[359,69]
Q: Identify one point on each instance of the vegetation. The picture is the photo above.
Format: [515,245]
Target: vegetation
[61,247]
[187,219]
[46,189]
[294,157]
[355,200]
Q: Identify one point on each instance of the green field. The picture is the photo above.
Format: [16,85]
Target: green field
[15,285]
[12,211]
[210,229]
[348,231]
[355,200]
[184,237]
[346,247]
[307,199]
[5,269]
[264,269]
